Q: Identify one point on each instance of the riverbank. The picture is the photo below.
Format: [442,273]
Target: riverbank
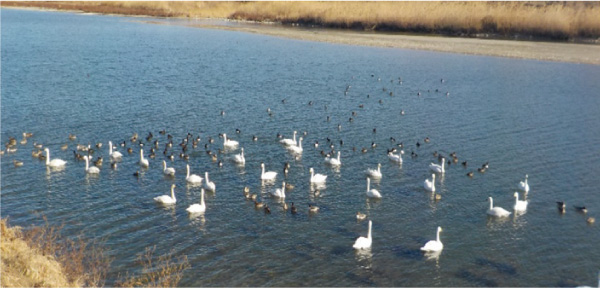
[302,29]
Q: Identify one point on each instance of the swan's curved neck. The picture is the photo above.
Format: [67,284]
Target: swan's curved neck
[443,163]
[369,234]
[300,142]
[294,137]
[242,152]
[438,236]
[141,155]
[202,197]
[491,203]
[283,188]
[379,168]
[110,148]
[164,165]
[263,170]
[206,176]
[47,156]
[187,168]
[368,184]
[87,163]
[339,156]
[173,192]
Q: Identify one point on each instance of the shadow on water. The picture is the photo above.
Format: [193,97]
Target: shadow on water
[477,280]
[500,267]
[408,253]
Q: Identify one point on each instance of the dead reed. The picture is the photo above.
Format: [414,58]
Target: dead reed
[163,271]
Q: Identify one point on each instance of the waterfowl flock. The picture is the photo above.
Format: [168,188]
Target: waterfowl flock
[331,158]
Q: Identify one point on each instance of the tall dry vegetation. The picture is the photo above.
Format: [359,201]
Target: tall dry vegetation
[556,20]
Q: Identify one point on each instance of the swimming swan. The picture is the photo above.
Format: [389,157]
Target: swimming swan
[297,148]
[429,185]
[438,168]
[166,199]
[524,186]
[317,178]
[115,155]
[334,161]
[289,142]
[198,208]
[208,185]
[520,205]
[239,158]
[434,245]
[372,193]
[396,157]
[90,170]
[193,179]
[280,192]
[375,174]
[270,175]
[364,242]
[496,211]
[228,143]
[55,162]
[170,171]
[143,162]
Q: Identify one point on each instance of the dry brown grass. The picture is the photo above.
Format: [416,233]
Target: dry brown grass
[160,272]
[555,20]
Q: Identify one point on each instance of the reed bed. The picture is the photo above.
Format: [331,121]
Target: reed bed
[553,20]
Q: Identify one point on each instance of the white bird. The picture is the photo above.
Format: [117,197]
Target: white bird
[289,142]
[434,245]
[239,158]
[279,192]
[270,175]
[396,157]
[334,161]
[375,174]
[438,168]
[208,185]
[317,178]
[364,242]
[297,148]
[524,186]
[228,143]
[143,162]
[429,185]
[520,205]
[170,171]
[114,155]
[496,211]
[372,193]
[192,179]
[166,199]
[55,162]
[198,208]
[90,170]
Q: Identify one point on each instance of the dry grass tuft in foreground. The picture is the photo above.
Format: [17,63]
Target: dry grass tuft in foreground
[165,272]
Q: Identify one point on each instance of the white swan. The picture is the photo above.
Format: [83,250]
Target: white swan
[239,158]
[364,242]
[520,205]
[192,179]
[143,162]
[208,185]
[297,148]
[334,161]
[375,174]
[524,186]
[280,192]
[317,178]
[228,143]
[198,208]
[289,142]
[434,245]
[166,199]
[114,155]
[90,170]
[496,211]
[270,175]
[372,193]
[438,168]
[55,162]
[170,171]
[396,157]
[429,185]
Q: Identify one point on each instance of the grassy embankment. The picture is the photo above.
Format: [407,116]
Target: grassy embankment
[546,20]
[40,257]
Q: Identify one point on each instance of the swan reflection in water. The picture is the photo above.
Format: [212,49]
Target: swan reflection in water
[364,257]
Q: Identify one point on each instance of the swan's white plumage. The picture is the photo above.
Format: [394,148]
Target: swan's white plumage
[143,162]
[193,179]
[429,185]
[296,148]
[269,175]
[289,142]
[228,143]
[208,185]
[198,208]
[317,178]
[280,193]
[166,199]
[520,205]
[239,158]
[114,155]
[90,170]
[170,171]
[523,185]
[334,161]
[55,162]
[396,157]
[372,193]
[434,245]
[364,242]
[496,211]
[438,168]
[375,173]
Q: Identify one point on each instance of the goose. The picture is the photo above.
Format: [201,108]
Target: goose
[375,174]
[372,193]
[90,170]
[228,143]
[198,208]
[143,162]
[496,211]
[280,192]
[297,148]
[561,206]
[312,208]
[17,163]
[361,216]
[434,245]
[524,186]
[114,155]
[581,209]
[166,199]
[334,161]
[239,158]
[64,147]
[289,142]
[55,162]
[364,242]
[317,178]
[259,205]
[438,168]
[520,205]
[192,179]
[396,157]
[169,171]
[208,185]
[429,185]
[270,175]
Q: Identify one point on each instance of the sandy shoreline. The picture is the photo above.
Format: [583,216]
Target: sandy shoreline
[544,51]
